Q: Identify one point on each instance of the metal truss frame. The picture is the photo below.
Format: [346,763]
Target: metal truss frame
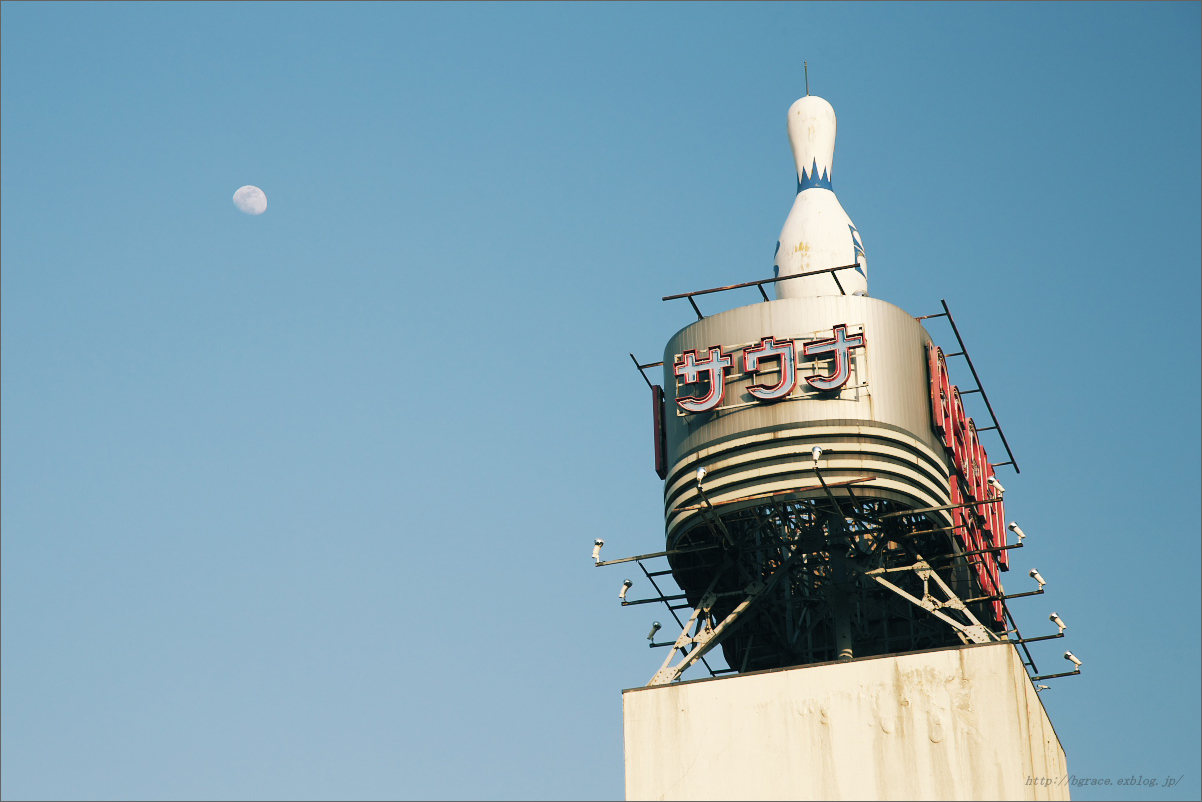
[794,575]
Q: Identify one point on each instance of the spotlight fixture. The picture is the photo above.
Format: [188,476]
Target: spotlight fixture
[1035,575]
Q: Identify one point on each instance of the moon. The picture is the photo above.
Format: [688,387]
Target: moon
[250,200]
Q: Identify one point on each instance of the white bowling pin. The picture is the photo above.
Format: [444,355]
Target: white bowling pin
[817,233]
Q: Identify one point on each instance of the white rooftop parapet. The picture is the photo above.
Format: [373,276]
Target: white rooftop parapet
[956,723]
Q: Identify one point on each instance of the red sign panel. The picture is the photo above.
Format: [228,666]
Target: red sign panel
[661,436]
[981,525]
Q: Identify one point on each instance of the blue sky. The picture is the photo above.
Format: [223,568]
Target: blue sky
[301,505]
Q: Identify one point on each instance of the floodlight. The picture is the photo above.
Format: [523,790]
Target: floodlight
[625,587]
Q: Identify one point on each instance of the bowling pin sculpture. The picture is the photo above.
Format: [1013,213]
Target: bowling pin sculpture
[817,233]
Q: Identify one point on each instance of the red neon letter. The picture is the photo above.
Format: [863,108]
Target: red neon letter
[691,370]
[840,344]
[940,394]
[769,348]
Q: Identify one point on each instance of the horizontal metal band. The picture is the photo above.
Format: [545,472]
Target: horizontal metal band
[788,455]
[768,461]
[833,427]
[897,486]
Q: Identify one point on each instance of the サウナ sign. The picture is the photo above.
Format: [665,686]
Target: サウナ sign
[770,354]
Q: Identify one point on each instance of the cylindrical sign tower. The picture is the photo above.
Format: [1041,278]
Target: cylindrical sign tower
[813,451]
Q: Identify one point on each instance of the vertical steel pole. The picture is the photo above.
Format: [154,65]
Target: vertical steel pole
[840,604]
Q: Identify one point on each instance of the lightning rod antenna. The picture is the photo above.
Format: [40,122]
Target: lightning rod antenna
[806,64]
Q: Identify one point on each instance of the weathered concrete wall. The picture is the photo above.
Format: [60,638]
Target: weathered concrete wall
[958,723]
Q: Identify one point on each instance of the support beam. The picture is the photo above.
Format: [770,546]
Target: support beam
[973,632]
[707,638]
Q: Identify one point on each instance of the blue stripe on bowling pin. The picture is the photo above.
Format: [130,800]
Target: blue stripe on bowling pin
[805,181]
[817,234]
[859,245]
